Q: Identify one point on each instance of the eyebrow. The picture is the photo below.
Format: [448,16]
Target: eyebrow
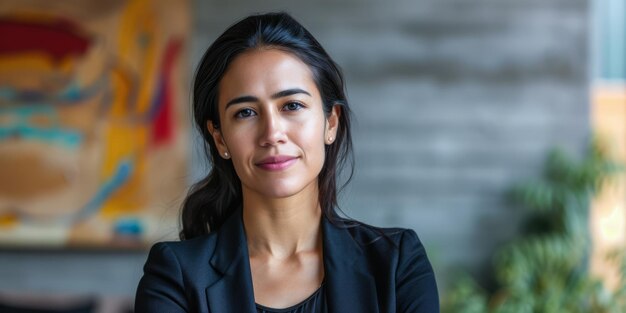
[280,94]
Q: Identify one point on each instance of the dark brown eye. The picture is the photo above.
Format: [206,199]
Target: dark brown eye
[245,113]
[293,106]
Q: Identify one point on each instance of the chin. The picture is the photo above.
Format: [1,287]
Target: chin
[283,189]
[280,193]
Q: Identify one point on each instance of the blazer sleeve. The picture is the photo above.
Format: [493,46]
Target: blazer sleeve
[161,289]
[416,288]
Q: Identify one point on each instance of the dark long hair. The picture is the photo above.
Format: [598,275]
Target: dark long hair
[211,200]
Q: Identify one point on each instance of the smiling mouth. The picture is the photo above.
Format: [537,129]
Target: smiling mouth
[277,163]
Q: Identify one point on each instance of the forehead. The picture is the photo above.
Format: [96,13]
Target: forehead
[263,72]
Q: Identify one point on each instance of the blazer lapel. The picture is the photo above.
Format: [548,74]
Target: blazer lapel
[350,286]
[233,291]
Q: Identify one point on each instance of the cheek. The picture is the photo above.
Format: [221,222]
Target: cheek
[238,145]
[312,137]
[240,148]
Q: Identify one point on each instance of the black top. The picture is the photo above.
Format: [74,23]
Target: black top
[315,303]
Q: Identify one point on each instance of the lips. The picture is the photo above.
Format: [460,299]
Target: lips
[277,163]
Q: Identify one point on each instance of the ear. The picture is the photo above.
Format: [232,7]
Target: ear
[332,124]
[218,139]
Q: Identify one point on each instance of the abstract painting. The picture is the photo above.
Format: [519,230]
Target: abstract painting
[93,122]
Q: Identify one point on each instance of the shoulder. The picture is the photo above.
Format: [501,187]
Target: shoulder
[173,271]
[383,237]
[184,262]
[185,252]
[183,246]
[381,247]
[400,254]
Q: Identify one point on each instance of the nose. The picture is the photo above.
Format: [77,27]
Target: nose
[272,129]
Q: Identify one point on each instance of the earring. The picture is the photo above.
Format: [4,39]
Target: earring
[330,139]
[225,154]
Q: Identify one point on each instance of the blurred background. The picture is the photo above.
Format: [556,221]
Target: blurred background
[495,129]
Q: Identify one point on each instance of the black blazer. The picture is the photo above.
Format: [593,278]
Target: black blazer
[364,272]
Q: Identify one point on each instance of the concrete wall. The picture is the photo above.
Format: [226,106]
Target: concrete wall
[455,100]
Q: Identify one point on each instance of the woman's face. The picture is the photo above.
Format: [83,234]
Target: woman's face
[272,124]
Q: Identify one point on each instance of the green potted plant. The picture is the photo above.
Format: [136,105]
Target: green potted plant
[545,269]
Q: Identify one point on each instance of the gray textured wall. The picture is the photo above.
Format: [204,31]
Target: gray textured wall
[455,100]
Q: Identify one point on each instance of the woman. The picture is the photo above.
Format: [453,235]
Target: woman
[261,233]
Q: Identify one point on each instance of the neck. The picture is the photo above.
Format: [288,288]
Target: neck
[282,227]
